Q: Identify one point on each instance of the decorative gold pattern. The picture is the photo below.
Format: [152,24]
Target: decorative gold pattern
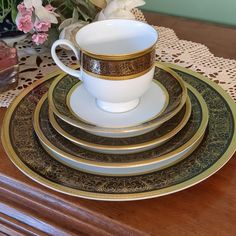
[217,147]
[119,77]
[174,85]
[63,150]
[117,69]
[151,139]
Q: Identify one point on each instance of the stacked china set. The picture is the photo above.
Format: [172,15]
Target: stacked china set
[167,125]
[122,126]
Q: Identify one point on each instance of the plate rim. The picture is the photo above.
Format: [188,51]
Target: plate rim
[85,144]
[119,197]
[93,128]
[191,148]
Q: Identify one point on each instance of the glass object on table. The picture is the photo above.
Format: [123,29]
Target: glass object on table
[9,68]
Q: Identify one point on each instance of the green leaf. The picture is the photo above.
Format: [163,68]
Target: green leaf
[13,14]
[85,16]
[52,37]
[75,16]
[82,3]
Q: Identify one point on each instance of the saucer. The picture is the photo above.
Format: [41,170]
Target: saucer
[177,148]
[84,107]
[216,149]
[173,84]
[141,143]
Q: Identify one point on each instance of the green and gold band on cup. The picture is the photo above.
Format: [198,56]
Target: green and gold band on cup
[122,69]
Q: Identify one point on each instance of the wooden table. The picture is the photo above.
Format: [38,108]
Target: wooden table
[209,208]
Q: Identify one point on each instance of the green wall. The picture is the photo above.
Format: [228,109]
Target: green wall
[219,11]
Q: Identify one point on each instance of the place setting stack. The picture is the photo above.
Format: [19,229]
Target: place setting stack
[120,126]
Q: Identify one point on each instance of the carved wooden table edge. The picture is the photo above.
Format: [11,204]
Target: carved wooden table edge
[57,216]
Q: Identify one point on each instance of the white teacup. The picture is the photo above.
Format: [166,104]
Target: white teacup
[117,61]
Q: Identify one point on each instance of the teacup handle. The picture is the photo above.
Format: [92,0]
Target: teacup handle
[65,68]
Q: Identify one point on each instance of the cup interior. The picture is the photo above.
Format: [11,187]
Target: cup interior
[116,37]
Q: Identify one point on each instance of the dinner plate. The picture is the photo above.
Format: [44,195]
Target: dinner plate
[216,148]
[126,164]
[117,145]
[173,84]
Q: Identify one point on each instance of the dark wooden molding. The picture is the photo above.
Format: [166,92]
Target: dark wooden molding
[46,213]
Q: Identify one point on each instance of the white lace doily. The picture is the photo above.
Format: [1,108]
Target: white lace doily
[35,63]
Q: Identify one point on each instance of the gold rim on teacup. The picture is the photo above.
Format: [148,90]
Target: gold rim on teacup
[118,57]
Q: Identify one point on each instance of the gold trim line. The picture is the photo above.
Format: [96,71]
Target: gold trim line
[118,57]
[126,77]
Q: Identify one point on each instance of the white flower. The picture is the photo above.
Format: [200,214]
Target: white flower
[69,31]
[70,27]
[40,11]
[119,9]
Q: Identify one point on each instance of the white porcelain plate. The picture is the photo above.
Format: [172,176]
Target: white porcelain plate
[84,107]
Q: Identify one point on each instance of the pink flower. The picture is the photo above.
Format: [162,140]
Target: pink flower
[23,11]
[24,23]
[39,38]
[42,26]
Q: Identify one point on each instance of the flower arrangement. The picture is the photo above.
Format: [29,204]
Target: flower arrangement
[50,19]
[33,17]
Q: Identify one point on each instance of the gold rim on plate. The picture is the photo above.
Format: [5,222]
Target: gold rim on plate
[118,148]
[126,171]
[192,141]
[102,130]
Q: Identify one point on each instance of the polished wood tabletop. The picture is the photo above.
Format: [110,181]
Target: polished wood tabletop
[209,208]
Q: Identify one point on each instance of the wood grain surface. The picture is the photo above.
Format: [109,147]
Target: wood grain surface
[209,208]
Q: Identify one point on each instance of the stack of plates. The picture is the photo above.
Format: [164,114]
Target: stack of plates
[182,131]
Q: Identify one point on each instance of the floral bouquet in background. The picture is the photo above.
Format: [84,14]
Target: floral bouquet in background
[46,20]
[33,17]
